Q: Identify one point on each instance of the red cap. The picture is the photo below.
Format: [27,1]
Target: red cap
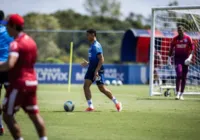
[16,19]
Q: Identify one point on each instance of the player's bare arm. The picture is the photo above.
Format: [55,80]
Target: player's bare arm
[101,60]
[170,52]
[189,59]
[85,63]
[9,64]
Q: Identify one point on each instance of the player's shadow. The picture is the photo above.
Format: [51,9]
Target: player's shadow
[77,111]
[161,98]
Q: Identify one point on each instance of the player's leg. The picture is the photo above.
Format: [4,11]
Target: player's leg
[31,108]
[88,95]
[86,87]
[183,81]
[3,81]
[1,122]
[178,80]
[156,77]
[107,92]
[11,104]
[39,125]
[12,126]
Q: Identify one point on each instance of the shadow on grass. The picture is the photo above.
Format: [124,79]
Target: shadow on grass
[158,98]
[168,98]
[75,111]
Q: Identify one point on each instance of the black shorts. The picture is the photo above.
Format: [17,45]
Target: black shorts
[90,75]
[4,79]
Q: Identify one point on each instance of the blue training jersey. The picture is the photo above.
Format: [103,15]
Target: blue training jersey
[5,41]
[94,50]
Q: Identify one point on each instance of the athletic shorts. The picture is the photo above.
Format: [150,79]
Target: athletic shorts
[90,75]
[4,79]
[24,98]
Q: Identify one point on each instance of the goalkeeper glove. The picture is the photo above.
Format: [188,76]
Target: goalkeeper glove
[188,60]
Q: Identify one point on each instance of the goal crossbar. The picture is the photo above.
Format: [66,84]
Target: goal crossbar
[176,7]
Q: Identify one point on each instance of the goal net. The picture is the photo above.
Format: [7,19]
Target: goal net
[164,27]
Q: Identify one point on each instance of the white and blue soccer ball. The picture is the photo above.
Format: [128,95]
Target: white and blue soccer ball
[119,82]
[69,106]
[114,82]
[107,82]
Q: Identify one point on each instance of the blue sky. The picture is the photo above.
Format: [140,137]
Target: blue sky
[48,6]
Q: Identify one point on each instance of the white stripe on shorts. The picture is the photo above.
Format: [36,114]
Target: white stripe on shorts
[31,83]
[11,101]
[6,83]
[33,107]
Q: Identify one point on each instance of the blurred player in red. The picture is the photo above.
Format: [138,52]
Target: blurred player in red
[22,79]
[157,65]
[183,47]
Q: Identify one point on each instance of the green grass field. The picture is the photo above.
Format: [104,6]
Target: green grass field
[143,117]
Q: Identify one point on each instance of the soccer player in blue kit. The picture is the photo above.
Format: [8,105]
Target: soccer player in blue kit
[95,72]
[5,41]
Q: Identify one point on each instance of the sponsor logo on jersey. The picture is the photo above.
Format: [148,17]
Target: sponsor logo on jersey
[181,45]
[185,40]
[89,54]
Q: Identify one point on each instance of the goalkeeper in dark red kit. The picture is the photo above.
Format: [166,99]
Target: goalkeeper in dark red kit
[183,47]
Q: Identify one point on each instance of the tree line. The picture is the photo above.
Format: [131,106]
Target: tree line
[103,15]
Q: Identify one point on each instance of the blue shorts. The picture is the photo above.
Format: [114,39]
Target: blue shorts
[90,75]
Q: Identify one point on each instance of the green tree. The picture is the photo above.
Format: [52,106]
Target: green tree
[136,20]
[109,8]
[41,21]
[45,41]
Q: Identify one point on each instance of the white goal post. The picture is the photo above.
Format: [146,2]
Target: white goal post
[163,28]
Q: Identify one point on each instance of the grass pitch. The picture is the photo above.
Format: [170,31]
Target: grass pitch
[142,118]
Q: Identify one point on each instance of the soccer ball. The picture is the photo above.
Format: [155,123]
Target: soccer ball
[114,82]
[167,93]
[69,106]
[107,82]
[119,83]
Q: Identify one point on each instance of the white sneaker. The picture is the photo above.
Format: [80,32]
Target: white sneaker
[177,97]
[181,97]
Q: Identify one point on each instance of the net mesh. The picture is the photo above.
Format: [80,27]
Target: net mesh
[167,21]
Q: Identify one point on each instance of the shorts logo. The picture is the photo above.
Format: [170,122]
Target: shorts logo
[98,78]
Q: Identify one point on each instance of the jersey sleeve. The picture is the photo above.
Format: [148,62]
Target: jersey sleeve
[98,49]
[14,49]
